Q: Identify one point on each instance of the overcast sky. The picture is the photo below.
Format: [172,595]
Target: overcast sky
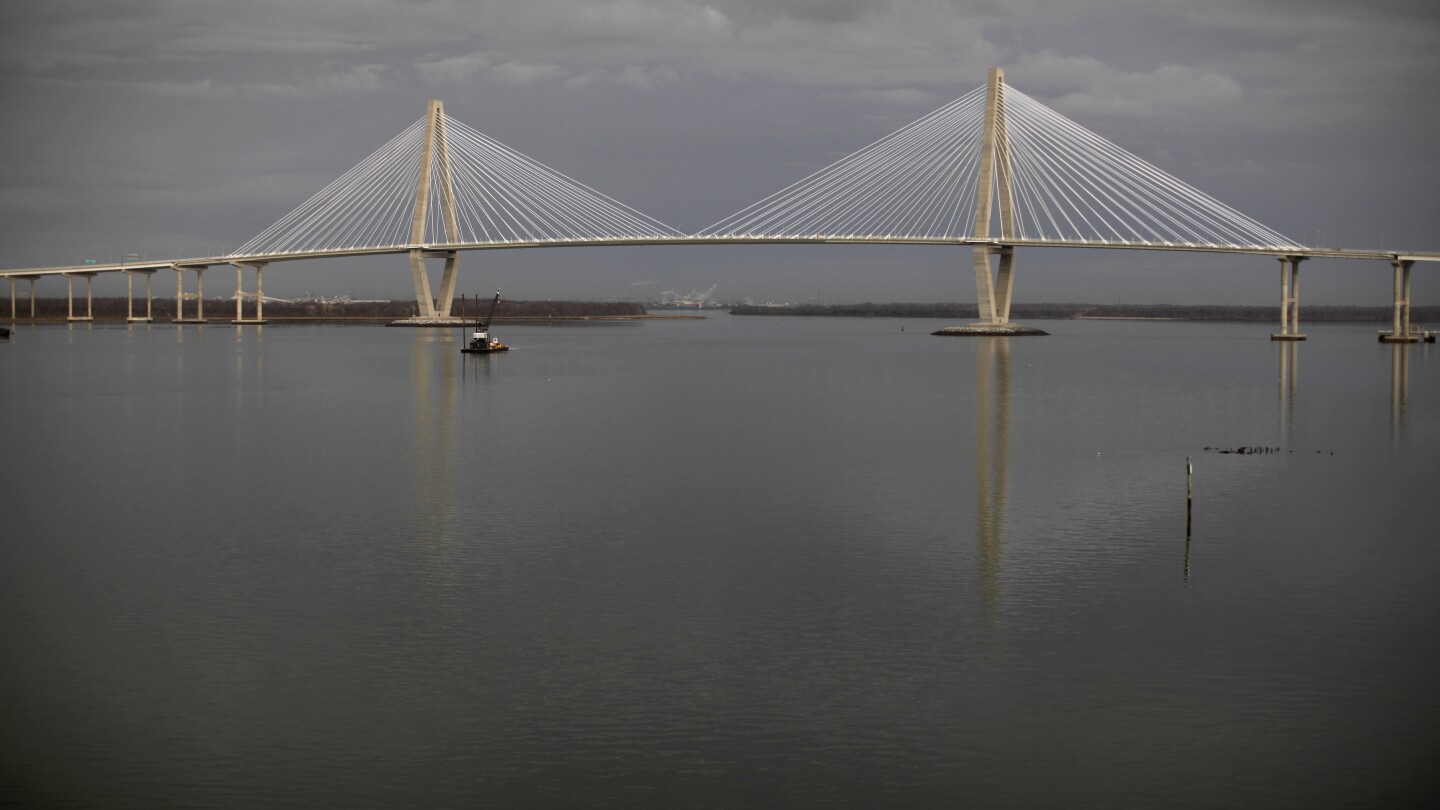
[177,128]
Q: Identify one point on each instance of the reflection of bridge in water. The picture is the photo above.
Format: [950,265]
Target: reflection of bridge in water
[1289,379]
[1289,353]
[992,455]
[441,188]
[1399,391]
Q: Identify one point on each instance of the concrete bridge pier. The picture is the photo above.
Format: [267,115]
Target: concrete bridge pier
[436,308]
[130,296]
[180,295]
[12,299]
[1289,299]
[241,295]
[70,297]
[1400,331]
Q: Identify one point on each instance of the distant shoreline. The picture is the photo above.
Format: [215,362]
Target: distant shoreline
[1098,312]
[272,320]
[113,309]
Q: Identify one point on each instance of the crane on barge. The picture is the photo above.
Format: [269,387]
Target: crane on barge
[481,342]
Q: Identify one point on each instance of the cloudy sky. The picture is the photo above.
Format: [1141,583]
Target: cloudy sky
[178,128]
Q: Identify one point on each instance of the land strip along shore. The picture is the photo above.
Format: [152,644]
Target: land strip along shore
[223,309]
[1149,312]
[113,309]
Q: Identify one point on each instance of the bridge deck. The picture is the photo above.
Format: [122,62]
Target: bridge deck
[819,239]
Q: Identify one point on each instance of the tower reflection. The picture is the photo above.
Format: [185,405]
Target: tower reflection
[992,454]
[1399,389]
[1289,376]
[434,381]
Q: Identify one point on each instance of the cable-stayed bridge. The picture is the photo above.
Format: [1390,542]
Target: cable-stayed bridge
[994,170]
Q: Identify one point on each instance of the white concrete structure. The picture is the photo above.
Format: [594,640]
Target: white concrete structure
[441,188]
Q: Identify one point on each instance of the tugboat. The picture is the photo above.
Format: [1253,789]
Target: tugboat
[480,340]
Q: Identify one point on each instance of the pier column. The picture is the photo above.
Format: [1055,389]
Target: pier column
[1289,299]
[1004,284]
[1400,331]
[1295,296]
[70,297]
[241,295]
[1406,320]
[447,284]
[32,298]
[984,287]
[423,302]
[12,299]
[130,296]
[1395,299]
[1284,296]
[180,295]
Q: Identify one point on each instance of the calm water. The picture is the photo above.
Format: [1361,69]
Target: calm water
[725,563]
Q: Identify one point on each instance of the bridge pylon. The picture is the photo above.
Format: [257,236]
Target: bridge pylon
[434,160]
[994,286]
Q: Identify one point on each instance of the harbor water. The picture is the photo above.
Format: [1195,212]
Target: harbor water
[731,562]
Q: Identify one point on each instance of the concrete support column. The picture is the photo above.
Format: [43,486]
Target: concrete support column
[12,300]
[984,286]
[180,295]
[423,301]
[1405,321]
[1295,297]
[1289,299]
[130,296]
[993,294]
[447,284]
[1395,299]
[1284,296]
[32,298]
[241,295]
[1004,284]
[70,298]
[1400,331]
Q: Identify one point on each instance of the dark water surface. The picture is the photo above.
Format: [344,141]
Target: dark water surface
[726,563]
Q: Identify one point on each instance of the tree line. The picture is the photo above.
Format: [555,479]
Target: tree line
[114,308]
[1184,312]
